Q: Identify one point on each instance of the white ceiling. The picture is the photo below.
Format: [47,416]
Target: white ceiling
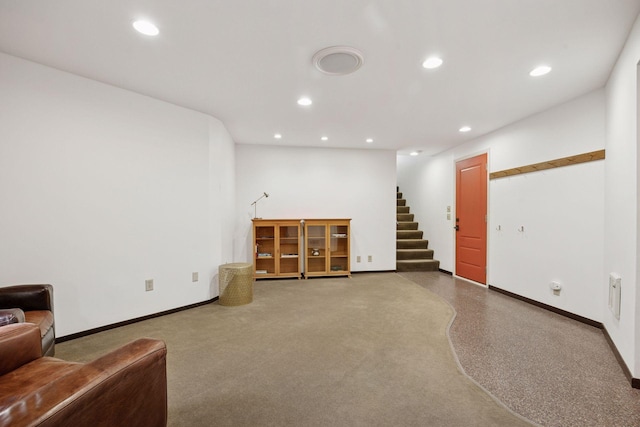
[246,62]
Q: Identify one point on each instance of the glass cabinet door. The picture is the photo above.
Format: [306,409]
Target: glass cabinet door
[289,249]
[339,247]
[316,248]
[265,250]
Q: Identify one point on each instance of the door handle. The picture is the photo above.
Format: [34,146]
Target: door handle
[457,228]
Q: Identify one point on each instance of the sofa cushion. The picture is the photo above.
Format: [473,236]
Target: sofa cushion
[20,390]
[19,345]
[42,318]
[27,297]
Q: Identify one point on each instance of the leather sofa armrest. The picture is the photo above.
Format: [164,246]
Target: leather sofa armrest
[125,387]
[19,345]
[11,315]
[27,297]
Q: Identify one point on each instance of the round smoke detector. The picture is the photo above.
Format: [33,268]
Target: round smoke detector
[338,60]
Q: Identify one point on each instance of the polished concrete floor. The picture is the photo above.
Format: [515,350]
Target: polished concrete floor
[551,369]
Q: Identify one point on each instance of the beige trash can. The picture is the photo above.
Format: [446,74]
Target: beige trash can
[236,284]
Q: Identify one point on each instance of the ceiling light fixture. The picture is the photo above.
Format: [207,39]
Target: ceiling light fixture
[369,140]
[304,101]
[146,28]
[277,136]
[540,71]
[324,138]
[338,60]
[414,153]
[464,129]
[432,62]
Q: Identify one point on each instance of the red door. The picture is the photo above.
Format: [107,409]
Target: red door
[471,218]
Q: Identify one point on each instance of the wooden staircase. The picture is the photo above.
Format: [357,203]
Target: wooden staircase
[412,251]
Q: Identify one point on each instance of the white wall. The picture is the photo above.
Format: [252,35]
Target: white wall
[222,193]
[321,183]
[561,213]
[621,199]
[562,209]
[101,189]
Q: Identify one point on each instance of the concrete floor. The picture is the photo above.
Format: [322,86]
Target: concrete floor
[551,369]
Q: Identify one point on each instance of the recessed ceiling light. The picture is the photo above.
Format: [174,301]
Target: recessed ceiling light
[324,138]
[369,140]
[277,136]
[464,129]
[432,62]
[540,71]
[146,27]
[414,153]
[304,101]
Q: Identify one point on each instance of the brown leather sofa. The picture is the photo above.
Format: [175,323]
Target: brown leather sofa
[32,304]
[127,387]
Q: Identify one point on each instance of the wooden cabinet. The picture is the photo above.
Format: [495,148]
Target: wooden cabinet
[276,248]
[326,247]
